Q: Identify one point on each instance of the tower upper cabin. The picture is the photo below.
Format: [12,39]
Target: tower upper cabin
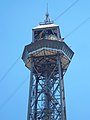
[46,30]
[47,41]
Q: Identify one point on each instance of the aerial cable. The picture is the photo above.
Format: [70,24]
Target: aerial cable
[77,27]
[66,10]
[11,67]
[13,93]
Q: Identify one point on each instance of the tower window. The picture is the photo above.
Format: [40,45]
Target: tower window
[51,34]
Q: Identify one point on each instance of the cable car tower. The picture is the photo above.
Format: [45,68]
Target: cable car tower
[47,57]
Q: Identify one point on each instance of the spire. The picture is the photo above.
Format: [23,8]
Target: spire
[47,19]
[47,15]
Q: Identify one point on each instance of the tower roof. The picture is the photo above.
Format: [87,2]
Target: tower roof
[45,26]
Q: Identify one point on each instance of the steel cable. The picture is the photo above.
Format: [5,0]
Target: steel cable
[77,27]
[13,93]
[66,10]
[11,67]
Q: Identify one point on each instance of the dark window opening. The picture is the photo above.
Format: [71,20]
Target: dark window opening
[51,34]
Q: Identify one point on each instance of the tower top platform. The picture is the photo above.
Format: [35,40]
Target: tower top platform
[42,48]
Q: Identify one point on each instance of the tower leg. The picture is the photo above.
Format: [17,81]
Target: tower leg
[36,91]
[61,82]
[30,92]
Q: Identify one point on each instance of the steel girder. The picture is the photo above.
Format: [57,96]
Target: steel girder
[46,95]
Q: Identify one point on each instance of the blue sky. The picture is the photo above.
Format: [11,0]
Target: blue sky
[17,18]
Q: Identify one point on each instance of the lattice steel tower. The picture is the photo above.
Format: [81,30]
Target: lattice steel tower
[47,57]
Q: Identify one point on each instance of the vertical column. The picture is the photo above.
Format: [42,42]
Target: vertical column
[64,104]
[62,100]
[30,91]
[46,94]
[36,102]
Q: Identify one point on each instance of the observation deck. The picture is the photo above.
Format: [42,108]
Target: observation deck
[46,47]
